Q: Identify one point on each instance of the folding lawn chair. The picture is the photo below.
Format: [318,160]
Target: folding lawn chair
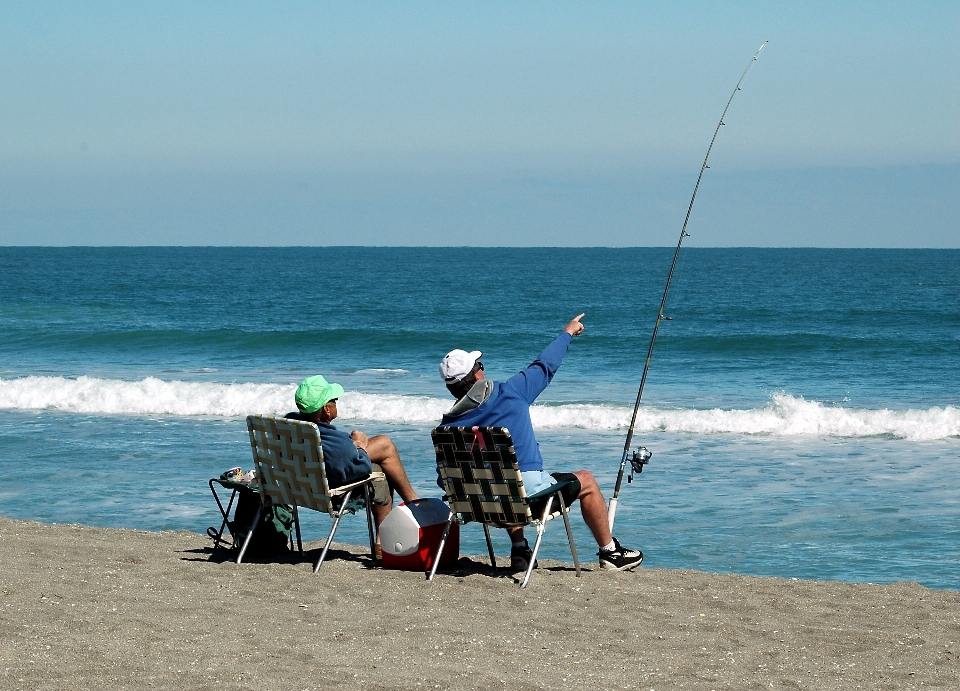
[478,467]
[289,462]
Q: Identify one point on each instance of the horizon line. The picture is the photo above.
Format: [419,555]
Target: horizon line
[489,247]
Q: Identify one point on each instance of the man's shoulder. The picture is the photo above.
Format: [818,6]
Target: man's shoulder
[329,430]
[514,385]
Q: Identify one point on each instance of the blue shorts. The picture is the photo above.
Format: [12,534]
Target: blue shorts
[536,480]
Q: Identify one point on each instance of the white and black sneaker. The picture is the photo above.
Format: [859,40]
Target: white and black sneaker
[619,558]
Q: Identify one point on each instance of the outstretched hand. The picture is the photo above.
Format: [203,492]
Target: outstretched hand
[575,328]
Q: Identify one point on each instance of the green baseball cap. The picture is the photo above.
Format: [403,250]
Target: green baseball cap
[314,393]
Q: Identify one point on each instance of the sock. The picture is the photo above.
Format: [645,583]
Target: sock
[608,548]
[522,543]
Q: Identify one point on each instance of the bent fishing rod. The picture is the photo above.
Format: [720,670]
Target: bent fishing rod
[641,456]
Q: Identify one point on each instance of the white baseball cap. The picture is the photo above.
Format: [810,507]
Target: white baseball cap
[457,364]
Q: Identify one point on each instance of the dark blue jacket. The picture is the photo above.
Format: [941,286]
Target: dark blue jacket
[345,463]
[509,404]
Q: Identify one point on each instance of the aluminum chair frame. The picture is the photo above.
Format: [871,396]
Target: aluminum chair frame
[480,474]
[288,455]
[235,489]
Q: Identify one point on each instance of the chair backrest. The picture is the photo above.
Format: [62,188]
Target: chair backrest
[478,467]
[289,460]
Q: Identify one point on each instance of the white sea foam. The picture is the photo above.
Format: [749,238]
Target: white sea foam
[788,416]
[150,396]
[784,416]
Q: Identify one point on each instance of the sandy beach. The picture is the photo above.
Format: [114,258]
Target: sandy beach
[92,608]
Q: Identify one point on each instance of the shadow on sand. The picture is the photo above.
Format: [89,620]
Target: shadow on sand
[464,567]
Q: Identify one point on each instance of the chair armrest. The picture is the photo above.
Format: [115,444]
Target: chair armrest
[343,489]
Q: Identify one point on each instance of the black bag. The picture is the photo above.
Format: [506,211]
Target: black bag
[272,533]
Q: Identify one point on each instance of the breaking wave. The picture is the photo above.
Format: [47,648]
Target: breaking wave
[784,415]
[150,396]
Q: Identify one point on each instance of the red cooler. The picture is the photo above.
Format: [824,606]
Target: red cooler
[410,535]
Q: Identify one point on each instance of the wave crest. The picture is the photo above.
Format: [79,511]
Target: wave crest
[788,416]
[785,415]
[150,396]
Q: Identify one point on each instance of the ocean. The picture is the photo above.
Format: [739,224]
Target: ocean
[802,407]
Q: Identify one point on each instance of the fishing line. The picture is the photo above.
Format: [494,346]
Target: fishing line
[641,456]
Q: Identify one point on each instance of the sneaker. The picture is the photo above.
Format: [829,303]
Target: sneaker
[520,557]
[619,558]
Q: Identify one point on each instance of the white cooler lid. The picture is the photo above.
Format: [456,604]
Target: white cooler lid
[400,530]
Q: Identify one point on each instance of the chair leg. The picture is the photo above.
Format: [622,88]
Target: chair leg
[217,535]
[333,530]
[566,522]
[443,543]
[493,558]
[253,527]
[296,525]
[536,547]
[368,495]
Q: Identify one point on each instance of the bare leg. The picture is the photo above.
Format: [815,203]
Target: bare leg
[379,513]
[516,534]
[593,508]
[382,450]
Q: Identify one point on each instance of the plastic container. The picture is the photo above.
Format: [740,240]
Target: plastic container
[410,535]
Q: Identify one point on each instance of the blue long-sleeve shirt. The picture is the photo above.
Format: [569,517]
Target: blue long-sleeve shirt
[509,403]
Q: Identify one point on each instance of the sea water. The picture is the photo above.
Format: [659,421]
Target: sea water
[803,405]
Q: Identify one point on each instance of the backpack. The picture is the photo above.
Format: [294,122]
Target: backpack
[272,533]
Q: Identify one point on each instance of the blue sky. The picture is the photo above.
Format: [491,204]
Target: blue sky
[478,123]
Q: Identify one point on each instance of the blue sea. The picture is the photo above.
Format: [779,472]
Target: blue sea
[802,407]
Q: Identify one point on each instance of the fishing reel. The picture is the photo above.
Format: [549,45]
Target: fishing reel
[639,459]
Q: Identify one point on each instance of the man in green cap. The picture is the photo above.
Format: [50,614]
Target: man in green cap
[351,457]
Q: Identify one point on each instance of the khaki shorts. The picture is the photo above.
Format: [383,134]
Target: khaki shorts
[381,490]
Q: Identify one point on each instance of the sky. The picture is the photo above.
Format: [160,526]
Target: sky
[487,123]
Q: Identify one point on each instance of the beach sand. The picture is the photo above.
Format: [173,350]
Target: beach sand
[92,608]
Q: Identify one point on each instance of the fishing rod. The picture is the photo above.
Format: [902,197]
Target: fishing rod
[641,456]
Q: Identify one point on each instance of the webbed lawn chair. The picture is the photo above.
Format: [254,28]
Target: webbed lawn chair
[289,461]
[478,467]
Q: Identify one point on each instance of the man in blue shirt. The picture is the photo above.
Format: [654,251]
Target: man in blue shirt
[351,457]
[485,403]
